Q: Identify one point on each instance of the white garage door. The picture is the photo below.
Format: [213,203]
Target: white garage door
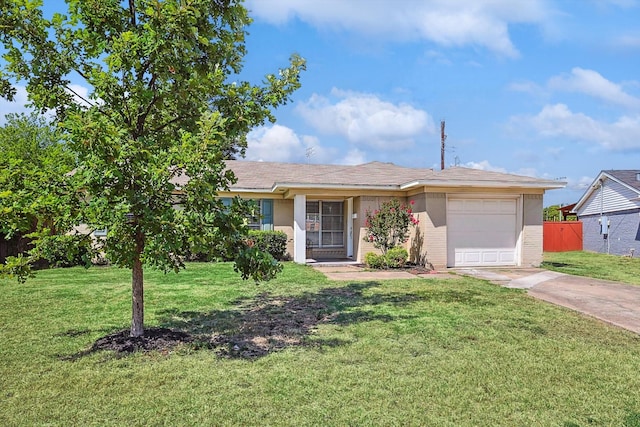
[481,232]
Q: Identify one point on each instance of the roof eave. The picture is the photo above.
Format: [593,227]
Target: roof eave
[484,184]
[283,186]
[594,185]
[247,190]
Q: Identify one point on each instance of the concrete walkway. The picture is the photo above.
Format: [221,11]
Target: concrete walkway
[357,273]
[611,302]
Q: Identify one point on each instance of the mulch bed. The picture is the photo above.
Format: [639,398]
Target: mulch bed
[159,339]
[409,268]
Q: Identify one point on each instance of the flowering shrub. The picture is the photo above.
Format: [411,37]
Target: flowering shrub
[388,226]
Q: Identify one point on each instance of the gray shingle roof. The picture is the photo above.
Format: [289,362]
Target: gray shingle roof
[629,177]
[261,176]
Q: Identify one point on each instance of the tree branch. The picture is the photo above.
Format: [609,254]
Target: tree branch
[174,120]
[82,98]
[132,11]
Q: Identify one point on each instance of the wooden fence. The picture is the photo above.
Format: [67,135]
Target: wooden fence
[562,236]
[12,247]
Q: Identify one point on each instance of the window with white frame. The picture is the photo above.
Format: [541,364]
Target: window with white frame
[325,224]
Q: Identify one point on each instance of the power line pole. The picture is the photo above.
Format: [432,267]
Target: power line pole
[443,137]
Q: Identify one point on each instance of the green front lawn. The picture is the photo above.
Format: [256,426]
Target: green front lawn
[598,266]
[448,352]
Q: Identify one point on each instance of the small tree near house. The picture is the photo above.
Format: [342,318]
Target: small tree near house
[389,226]
[163,99]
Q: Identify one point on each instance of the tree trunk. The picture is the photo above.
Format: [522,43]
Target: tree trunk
[137,290]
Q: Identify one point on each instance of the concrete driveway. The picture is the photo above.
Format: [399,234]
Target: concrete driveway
[611,302]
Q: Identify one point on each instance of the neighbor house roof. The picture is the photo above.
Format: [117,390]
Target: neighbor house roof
[269,176]
[627,178]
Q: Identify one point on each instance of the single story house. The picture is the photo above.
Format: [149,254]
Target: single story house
[466,217]
[610,213]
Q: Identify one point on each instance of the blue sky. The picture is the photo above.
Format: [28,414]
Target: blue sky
[547,88]
[535,87]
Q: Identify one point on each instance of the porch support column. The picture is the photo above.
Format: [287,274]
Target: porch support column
[299,228]
[350,227]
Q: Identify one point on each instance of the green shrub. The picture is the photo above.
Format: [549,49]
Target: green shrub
[396,257]
[374,260]
[65,250]
[256,264]
[274,242]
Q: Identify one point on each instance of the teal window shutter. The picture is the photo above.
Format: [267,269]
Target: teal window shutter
[267,214]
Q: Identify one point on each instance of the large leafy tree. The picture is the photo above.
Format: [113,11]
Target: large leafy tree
[164,108]
[35,198]
[33,165]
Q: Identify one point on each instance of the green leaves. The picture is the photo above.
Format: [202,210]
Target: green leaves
[164,109]
[388,226]
[17,267]
[34,187]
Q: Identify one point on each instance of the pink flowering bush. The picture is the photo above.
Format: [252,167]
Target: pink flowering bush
[388,226]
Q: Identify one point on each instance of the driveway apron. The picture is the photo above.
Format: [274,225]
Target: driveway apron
[611,302]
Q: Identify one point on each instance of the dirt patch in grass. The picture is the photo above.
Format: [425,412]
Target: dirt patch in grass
[154,339]
[256,326]
[266,324]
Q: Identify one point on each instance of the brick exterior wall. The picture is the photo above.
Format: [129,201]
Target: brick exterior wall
[624,233]
[433,223]
[366,203]
[532,230]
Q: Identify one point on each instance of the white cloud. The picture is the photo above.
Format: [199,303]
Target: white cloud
[366,120]
[526,87]
[558,121]
[627,41]
[279,143]
[579,184]
[592,83]
[484,165]
[17,106]
[354,157]
[274,144]
[80,94]
[482,23]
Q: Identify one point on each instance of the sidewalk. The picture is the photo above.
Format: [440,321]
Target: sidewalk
[358,273]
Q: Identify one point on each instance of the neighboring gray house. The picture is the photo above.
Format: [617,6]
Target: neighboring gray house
[610,213]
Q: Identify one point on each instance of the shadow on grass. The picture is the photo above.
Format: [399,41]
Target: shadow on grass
[555,264]
[257,326]
[632,419]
